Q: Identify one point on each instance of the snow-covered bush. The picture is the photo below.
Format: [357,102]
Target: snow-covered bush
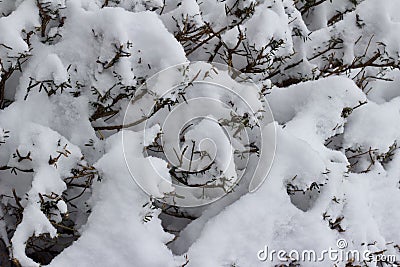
[140,132]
